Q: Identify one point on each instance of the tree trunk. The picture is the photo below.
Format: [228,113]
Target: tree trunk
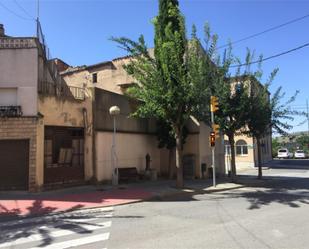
[258,143]
[170,163]
[233,163]
[179,180]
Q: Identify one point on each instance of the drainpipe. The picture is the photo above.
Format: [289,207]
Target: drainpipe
[90,132]
[94,151]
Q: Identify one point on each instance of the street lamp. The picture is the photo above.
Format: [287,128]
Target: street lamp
[114,111]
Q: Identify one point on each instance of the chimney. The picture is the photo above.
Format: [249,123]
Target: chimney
[1,30]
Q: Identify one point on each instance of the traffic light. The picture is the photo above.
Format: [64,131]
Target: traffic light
[216,130]
[212,139]
[214,104]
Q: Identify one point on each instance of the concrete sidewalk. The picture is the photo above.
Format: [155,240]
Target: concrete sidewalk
[16,204]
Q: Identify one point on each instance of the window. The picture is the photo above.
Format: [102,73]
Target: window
[94,78]
[227,148]
[238,87]
[8,96]
[241,148]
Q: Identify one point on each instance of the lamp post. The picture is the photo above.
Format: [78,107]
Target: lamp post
[114,111]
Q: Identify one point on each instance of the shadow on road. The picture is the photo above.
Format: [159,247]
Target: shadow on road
[289,191]
[288,164]
[42,226]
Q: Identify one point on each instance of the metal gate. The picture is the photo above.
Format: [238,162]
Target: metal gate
[63,155]
[14,164]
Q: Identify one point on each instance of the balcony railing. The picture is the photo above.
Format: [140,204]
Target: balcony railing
[11,42]
[10,111]
[61,90]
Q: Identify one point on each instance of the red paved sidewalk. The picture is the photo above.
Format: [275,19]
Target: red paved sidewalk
[64,202]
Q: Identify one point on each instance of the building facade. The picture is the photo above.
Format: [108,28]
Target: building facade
[44,139]
[55,128]
[246,152]
[110,82]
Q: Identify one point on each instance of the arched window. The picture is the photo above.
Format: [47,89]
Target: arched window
[227,147]
[241,148]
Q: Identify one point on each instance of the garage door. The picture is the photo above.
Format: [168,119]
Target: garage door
[14,164]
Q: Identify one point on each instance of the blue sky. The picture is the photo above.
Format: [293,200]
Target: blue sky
[78,31]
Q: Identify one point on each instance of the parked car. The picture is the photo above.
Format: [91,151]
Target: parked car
[284,153]
[299,154]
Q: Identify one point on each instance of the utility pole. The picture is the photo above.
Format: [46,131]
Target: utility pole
[38,10]
[38,20]
[307,115]
[213,152]
[114,111]
[213,134]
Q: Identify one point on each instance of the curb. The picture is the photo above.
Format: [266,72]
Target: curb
[154,197]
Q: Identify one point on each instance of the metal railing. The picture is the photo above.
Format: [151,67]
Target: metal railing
[10,111]
[61,90]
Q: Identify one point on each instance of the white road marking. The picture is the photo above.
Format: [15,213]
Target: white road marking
[77,242]
[55,234]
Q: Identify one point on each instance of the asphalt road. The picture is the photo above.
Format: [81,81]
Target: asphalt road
[290,163]
[272,213]
[269,214]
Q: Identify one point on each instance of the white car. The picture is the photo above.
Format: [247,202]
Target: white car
[299,154]
[284,153]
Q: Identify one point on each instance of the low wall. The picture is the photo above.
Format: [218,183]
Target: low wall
[131,151]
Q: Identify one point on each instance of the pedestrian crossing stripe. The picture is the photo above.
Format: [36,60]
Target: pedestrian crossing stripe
[56,234]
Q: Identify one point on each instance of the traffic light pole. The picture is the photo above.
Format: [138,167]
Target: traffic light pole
[213,155]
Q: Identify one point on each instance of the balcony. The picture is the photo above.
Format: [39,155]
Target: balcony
[61,90]
[13,42]
[10,111]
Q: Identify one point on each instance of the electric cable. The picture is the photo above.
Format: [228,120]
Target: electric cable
[14,13]
[23,9]
[265,31]
[271,57]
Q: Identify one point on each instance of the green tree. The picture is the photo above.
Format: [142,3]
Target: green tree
[282,113]
[267,115]
[275,145]
[171,85]
[233,111]
[166,139]
[259,115]
[303,141]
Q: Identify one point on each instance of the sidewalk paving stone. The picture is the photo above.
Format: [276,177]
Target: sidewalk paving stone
[23,204]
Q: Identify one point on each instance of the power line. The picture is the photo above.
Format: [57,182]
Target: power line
[14,13]
[22,8]
[271,57]
[265,31]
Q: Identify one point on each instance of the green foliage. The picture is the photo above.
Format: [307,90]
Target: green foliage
[165,136]
[276,145]
[173,85]
[282,113]
[233,106]
[303,142]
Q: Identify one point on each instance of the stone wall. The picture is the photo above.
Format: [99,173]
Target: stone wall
[23,128]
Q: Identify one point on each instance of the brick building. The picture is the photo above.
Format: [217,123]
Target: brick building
[44,137]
